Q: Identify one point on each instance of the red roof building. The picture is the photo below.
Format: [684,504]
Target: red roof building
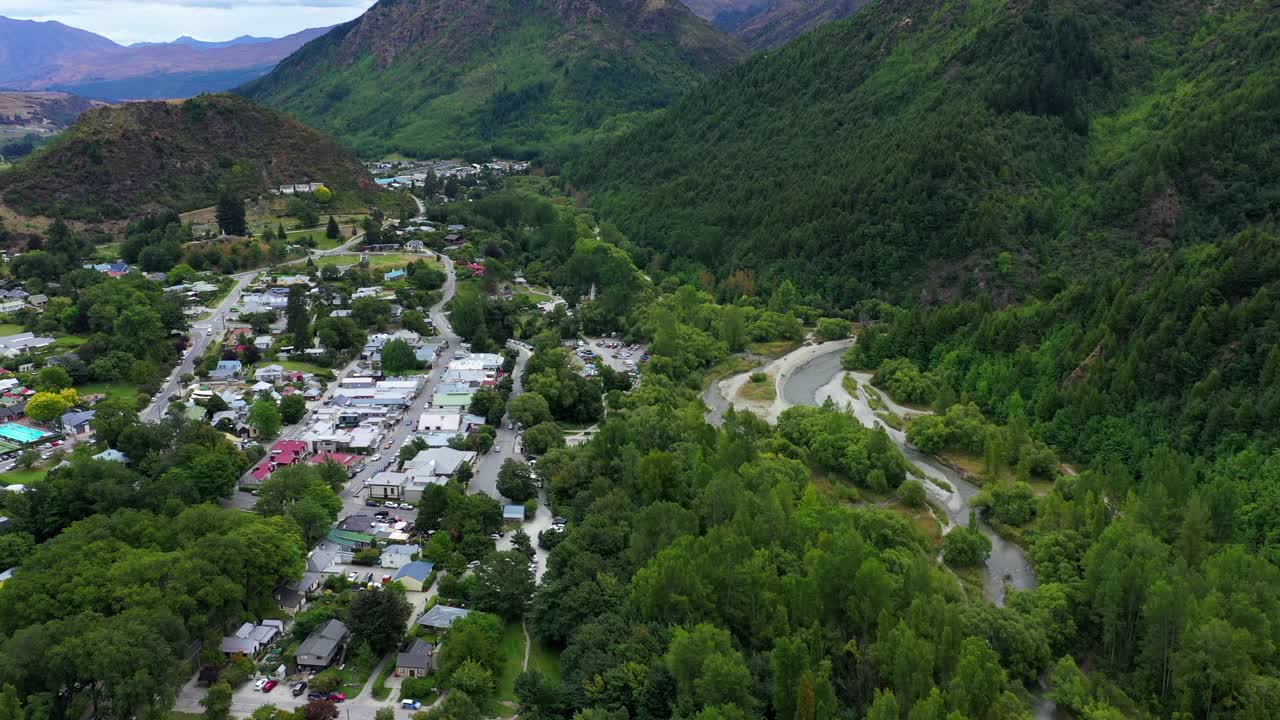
[284,452]
[344,459]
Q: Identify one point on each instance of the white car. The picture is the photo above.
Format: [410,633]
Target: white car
[406,506]
[258,685]
[392,505]
[375,457]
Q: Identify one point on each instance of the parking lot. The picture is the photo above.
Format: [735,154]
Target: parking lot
[612,352]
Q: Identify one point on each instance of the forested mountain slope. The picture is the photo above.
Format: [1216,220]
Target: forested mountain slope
[783,20]
[919,140]
[128,160]
[434,77]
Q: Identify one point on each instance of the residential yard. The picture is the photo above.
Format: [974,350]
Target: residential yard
[512,661]
[376,262]
[294,365]
[10,329]
[22,477]
[124,391]
[355,676]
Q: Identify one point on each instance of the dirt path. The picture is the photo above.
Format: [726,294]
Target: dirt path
[527,645]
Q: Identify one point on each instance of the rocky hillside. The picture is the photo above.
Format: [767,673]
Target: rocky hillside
[930,147]
[783,20]
[41,112]
[428,77]
[127,160]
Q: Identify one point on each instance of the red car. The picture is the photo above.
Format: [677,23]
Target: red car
[337,697]
[270,685]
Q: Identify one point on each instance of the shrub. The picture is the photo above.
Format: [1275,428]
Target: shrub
[966,547]
[912,493]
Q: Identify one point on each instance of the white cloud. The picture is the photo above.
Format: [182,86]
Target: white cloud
[129,21]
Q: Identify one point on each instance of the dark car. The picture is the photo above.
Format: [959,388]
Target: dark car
[315,695]
[299,688]
[372,503]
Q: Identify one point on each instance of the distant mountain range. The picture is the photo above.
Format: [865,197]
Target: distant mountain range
[53,56]
[188,41]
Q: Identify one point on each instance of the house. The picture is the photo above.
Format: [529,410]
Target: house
[321,561]
[442,617]
[415,576]
[513,514]
[414,246]
[454,239]
[416,661]
[226,370]
[284,452]
[15,345]
[477,268]
[38,300]
[438,462]
[269,373]
[112,455]
[293,594]
[251,638]
[76,423]
[115,269]
[322,645]
[393,275]
[397,556]
[263,342]
[387,485]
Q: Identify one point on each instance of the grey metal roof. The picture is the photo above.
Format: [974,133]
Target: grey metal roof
[442,616]
[417,657]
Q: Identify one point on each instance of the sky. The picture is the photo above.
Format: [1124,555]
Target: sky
[130,21]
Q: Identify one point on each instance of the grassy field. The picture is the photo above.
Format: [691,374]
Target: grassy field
[512,661]
[22,477]
[10,329]
[124,391]
[774,349]
[322,241]
[68,342]
[292,365]
[376,262]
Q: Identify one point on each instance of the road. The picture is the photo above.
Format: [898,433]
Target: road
[212,328]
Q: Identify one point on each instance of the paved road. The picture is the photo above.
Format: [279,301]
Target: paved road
[212,328]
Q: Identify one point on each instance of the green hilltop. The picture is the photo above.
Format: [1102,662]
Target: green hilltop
[428,77]
[127,160]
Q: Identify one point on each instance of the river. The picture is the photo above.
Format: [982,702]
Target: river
[820,378]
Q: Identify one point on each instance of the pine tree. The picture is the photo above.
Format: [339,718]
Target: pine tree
[230,214]
[332,231]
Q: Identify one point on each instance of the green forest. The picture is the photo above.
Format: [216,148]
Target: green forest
[511,79]
[930,150]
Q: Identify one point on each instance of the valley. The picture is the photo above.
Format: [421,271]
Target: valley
[644,360]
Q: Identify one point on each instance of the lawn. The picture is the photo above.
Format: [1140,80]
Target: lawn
[512,661]
[733,365]
[70,341]
[545,660]
[293,365]
[124,391]
[323,242]
[774,349]
[355,675]
[376,262]
[762,391]
[22,477]
[10,329]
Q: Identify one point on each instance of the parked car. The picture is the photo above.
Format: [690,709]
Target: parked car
[372,503]
[473,564]
[260,683]
[299,688]
[315,695]
[337,697]
[410,704]
[406,506]
[270,685]
[392,505]
[351,576]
